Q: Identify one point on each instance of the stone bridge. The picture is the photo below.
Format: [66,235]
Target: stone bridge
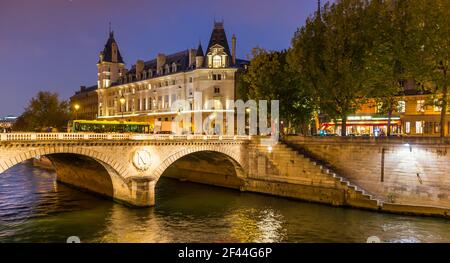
[126,167]
[406,175]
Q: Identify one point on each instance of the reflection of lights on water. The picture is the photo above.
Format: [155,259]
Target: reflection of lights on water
[254,225]
[270,227]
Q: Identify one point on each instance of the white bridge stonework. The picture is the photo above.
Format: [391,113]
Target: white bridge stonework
[114,152]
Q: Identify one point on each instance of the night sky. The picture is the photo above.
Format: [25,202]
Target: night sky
[54,44]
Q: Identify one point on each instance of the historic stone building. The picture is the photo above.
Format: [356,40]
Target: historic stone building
[84,104]
[146,91]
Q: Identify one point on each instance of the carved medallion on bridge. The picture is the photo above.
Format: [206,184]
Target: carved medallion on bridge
[142,160]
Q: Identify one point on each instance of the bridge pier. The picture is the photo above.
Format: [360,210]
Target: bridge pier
[142,192]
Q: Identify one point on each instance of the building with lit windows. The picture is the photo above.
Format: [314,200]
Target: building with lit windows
[84,103]
[6,123]
[416,114]
[146,91]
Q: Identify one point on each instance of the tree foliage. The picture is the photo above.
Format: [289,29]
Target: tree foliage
[353,50]
[429,48]
[44,111]
[270,78]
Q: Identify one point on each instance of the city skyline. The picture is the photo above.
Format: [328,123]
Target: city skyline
[59,47]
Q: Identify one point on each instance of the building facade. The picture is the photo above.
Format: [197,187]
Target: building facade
[84,104]
[147,90]
[6,123]
[416,114]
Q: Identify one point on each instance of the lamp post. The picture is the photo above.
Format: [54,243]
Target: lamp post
[76,107]
[122,102]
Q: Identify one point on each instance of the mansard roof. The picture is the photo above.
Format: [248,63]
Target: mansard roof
[218,37]
[181,59]
[107,50]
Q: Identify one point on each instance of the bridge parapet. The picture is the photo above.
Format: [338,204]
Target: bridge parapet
[113,136]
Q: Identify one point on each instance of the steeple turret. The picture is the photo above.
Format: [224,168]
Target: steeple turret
[199,57]
[110,64]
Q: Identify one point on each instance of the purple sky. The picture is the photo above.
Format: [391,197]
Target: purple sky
[54,44]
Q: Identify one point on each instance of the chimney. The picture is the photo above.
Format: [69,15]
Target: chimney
[139,66]
[233,49]
[160,62]
[191,57]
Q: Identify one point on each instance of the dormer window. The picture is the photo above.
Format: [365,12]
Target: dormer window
[217,57]
[217,61]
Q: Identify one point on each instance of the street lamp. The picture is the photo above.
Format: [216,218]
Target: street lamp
[76,107]
[122,102]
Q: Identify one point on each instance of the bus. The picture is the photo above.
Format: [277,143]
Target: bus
[97,126]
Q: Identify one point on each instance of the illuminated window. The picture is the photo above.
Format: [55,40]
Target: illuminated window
[419,127]
[173,98]
[437,106]
[217,105]
[379,107]
[401,106]
[420,107]
[437,127]
[217,61]
[408,127]
[166,101]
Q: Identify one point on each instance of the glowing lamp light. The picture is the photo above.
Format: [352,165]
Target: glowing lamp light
[122,100]
[270,149]
[77,107]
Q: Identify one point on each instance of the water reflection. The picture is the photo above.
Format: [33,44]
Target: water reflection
[33,208]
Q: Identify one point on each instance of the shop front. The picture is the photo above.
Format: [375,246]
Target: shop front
[363,125]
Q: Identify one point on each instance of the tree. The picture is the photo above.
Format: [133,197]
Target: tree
[429,48]
[387,54]
[269,77]
[44,111]
[329,52]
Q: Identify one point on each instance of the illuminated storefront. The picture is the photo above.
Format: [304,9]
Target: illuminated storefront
[373,125]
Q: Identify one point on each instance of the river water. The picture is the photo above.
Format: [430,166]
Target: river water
[34,208]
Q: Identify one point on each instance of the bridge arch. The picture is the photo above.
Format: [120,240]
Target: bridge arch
[79,150]
[233,156]
[81,167]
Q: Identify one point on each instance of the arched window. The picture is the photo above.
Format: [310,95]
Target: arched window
[217,61]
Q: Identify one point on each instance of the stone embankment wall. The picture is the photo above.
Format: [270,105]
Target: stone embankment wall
[399,171]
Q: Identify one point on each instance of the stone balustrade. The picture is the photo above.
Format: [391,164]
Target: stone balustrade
[112,136]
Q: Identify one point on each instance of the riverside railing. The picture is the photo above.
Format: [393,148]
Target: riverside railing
[114,137]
